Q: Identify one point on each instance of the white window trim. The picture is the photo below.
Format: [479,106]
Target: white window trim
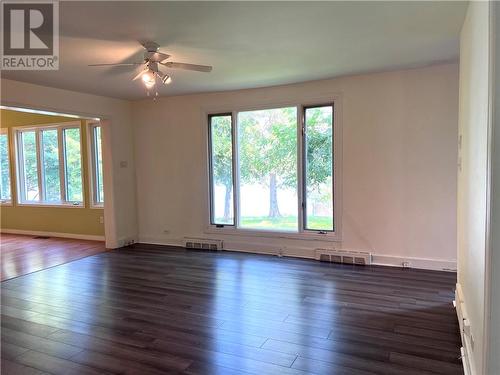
[62,165]
[91,125]
[8,202]
[300,103]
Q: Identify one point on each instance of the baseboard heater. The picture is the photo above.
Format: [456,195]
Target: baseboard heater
[202,243]
[344,256]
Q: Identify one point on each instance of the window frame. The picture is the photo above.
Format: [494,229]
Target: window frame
[301,104]
[92,164]
[8,202]
[19,164]
[304,166]
[210,174]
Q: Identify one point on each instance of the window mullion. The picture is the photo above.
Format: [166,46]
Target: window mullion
[62,164]
[41,184]
[301,194]
[236,170]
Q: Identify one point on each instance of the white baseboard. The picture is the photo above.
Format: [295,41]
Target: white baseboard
[160,241]
[421,263]
[53,234]
[310,253]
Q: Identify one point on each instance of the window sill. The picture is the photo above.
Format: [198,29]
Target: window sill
[98,206]
[50,205]
[309,235]
[6,203]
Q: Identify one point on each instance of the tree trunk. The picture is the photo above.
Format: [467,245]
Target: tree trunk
[227,198]
[274,210]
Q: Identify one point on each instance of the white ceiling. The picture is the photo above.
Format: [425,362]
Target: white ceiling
[249,44]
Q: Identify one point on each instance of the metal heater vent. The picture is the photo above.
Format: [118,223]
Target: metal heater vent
[203,244]
[344,256]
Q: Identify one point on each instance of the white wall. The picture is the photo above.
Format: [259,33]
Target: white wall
[399,162]
[494,290]
[120,207]
[473,179]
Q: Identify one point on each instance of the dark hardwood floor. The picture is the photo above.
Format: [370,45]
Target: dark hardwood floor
[25,254]
[150,310]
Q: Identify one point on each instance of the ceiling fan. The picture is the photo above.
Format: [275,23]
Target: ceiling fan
[152,61]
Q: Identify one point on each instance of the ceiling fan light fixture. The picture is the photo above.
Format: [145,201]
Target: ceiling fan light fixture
[149,79]
[167,79]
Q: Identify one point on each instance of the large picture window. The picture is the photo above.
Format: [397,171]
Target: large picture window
[273,169]
[267,165]
[49,165]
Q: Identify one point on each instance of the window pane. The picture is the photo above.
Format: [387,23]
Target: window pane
[4,168]
[30,166]
[267,162]
[74,191]
[319,168]
[50,161]
[222,171]
[98,165]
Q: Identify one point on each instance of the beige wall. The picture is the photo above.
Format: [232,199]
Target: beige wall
[67,220]
[399,163]
[118,156]
[473,175]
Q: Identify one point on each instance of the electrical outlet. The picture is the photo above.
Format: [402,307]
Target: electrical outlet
[101,219]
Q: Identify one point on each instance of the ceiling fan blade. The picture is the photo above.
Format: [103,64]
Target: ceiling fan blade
[156,56]
[119,64]
[177,65]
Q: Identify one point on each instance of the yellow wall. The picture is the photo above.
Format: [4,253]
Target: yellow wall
[49,219]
